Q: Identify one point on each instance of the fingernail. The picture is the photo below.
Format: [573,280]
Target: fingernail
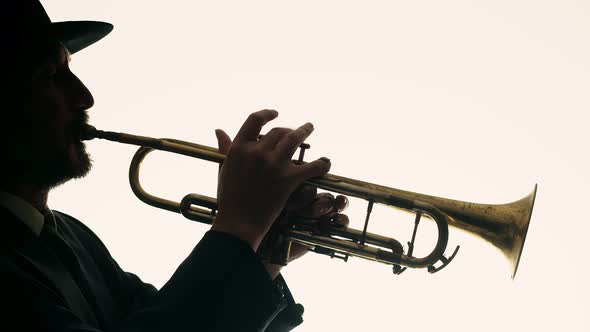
[323,206]
[339,221]
[326,159]
[309,125]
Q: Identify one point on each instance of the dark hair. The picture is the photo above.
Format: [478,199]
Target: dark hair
[37,54]
[19,66]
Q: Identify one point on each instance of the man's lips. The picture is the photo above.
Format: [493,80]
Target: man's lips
[76,132]
[77,126]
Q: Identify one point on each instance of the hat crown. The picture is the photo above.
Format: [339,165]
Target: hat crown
[38,13]
[24,25]
[22,13]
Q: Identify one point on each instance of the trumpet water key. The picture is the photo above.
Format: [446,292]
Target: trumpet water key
[503,225]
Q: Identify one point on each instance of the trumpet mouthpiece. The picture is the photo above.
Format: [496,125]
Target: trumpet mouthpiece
[88,133]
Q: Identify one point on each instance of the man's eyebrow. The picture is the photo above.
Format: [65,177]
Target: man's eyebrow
[59,54]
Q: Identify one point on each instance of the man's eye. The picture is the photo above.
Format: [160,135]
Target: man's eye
[49,73]
[46,72]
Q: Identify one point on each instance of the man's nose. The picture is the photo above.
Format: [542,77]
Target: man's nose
[83,99]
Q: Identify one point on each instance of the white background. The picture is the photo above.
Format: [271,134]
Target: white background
[470,100]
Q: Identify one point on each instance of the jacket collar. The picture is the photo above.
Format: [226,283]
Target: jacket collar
[23,211]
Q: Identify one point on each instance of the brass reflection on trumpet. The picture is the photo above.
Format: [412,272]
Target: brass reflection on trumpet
[503,225]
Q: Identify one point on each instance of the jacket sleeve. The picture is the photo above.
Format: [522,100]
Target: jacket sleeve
[220,286]
[291,316]
[223,271]
[224,276]
[139,296]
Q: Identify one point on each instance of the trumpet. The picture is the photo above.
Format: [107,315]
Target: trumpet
[502,225]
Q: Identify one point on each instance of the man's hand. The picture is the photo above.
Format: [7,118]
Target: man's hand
[258,176]
[305,202]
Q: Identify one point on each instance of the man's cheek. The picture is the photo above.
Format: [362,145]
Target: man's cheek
[49,134]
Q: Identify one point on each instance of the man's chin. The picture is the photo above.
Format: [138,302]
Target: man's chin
[80,163]
[46,168]
[74,163]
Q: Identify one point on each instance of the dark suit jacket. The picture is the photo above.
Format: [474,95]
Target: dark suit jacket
[221,286]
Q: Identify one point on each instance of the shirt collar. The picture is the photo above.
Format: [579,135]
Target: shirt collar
[24,211]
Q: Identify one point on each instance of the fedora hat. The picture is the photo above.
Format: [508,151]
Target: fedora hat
[25,23]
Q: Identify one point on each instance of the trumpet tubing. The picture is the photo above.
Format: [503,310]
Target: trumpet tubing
[503,225]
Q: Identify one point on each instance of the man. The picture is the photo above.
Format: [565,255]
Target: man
[57,275]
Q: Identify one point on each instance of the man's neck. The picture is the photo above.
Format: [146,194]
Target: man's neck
[34,196]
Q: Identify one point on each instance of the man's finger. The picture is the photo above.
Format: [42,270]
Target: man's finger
[223,141]
[287,146]
[312,169]
[340,202]
[270,140]
[341,220]
[322,204]
[253,124]
[301,198]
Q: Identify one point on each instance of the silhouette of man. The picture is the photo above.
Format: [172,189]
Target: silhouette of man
[55,273]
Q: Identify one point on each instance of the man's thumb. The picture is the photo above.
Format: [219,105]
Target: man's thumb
[223,141]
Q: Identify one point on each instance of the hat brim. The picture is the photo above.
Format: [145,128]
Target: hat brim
[77,35]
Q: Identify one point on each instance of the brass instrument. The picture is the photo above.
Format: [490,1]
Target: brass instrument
[504,225]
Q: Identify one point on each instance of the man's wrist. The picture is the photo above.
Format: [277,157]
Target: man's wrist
[242,233]
[272,269]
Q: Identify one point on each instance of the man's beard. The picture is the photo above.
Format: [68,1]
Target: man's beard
[62,169]
[45,169]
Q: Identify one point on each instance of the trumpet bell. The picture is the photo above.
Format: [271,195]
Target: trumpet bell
[521,228]
[510,240]
[505,226]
